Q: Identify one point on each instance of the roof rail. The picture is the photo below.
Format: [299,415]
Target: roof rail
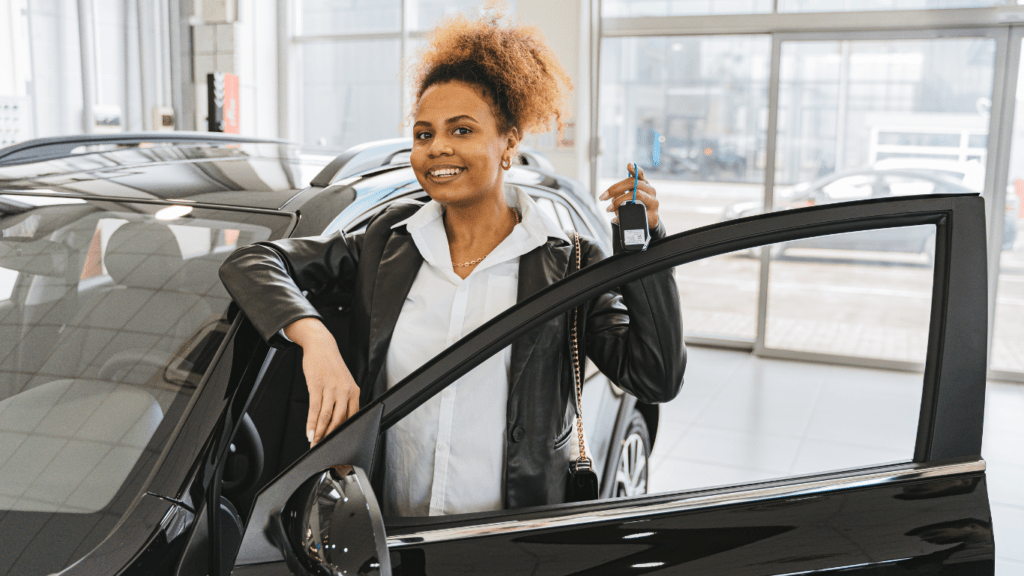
[370,155]
[63,146]
[361,158]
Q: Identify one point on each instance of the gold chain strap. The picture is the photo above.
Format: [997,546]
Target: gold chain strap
[576,363]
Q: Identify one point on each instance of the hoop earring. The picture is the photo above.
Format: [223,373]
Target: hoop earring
[506,163]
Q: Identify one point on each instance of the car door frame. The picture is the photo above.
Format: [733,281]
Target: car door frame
[952,403]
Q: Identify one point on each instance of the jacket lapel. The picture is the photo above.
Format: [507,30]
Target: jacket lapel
[538,269]
[399,264]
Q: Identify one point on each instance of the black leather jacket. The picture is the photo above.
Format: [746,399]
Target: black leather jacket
[633,335]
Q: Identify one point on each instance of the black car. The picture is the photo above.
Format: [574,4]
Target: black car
[147,429]
[109,262]
[874,183]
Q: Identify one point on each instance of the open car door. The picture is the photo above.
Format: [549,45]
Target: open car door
[929,514]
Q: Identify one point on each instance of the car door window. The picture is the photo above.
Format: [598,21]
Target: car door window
[737,418]
[741,419]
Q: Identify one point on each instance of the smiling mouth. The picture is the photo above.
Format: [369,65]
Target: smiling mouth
[445,174]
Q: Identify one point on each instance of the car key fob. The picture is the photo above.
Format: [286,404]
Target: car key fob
[633,232]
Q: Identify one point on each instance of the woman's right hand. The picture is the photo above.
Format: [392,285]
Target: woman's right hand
[333,393]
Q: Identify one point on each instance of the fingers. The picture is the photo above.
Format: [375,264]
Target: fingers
[341,413]
[333,393]
[315,401]
[341,409]
[626,187]
[324,418]
[630,167]
[644,193]
[643,197]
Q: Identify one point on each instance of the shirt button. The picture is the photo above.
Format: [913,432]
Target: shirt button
[518,434]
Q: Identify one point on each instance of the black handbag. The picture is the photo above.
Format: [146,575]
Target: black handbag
[582,484]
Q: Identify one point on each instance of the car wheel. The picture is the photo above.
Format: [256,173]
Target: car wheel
[631,470]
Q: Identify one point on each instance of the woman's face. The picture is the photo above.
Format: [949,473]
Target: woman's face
[457,148]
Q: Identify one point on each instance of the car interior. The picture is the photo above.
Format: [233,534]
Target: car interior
[106,332]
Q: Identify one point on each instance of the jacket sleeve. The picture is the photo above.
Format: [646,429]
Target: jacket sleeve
[276,283]
[635,334]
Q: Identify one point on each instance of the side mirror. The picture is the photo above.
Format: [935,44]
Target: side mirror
[332,526]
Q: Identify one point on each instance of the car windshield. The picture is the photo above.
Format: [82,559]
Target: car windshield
[110,314]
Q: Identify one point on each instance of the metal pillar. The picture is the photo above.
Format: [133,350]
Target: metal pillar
[87,50]
[178,76]
[146,62]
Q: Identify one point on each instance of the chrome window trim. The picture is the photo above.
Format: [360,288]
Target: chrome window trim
[799,487]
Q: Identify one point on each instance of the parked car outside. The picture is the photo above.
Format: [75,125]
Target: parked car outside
[147,429]
[877,182]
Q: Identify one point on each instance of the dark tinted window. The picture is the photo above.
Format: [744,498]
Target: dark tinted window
[110,313]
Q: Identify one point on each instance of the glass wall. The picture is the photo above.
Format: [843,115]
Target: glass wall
[860,5]
[1008,337]
[333,17]
[626,8]
[348,101]
[57,78]
[863,119]
[631,8]
[707,97]
[349,59]
[858,117]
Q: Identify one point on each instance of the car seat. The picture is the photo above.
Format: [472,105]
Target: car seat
[139,323]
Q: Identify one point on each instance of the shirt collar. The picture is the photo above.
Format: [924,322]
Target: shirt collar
[427,231]
[538,225]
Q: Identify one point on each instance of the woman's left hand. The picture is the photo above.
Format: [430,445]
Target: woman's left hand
[622,191]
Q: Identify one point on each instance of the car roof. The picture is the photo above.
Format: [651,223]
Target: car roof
[228,171]
[237,172]
[398,181]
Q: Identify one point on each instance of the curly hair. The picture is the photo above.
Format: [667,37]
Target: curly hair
[512,64]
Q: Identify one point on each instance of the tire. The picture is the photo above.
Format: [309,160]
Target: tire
[631,469]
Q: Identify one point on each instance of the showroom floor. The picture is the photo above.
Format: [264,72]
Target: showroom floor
[741,418]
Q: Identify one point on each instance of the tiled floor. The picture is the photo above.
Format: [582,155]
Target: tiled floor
[741,418]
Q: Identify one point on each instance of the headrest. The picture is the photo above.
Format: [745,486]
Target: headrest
[143,255]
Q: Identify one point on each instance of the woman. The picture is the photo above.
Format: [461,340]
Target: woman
[421,277]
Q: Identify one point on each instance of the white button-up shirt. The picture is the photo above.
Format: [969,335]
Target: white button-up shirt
[448,456]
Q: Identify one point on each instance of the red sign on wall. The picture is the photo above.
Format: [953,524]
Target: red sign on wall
[222,90]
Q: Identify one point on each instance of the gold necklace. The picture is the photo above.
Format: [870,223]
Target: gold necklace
[519,218]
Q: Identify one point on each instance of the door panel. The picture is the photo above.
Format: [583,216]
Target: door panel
[934,525]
